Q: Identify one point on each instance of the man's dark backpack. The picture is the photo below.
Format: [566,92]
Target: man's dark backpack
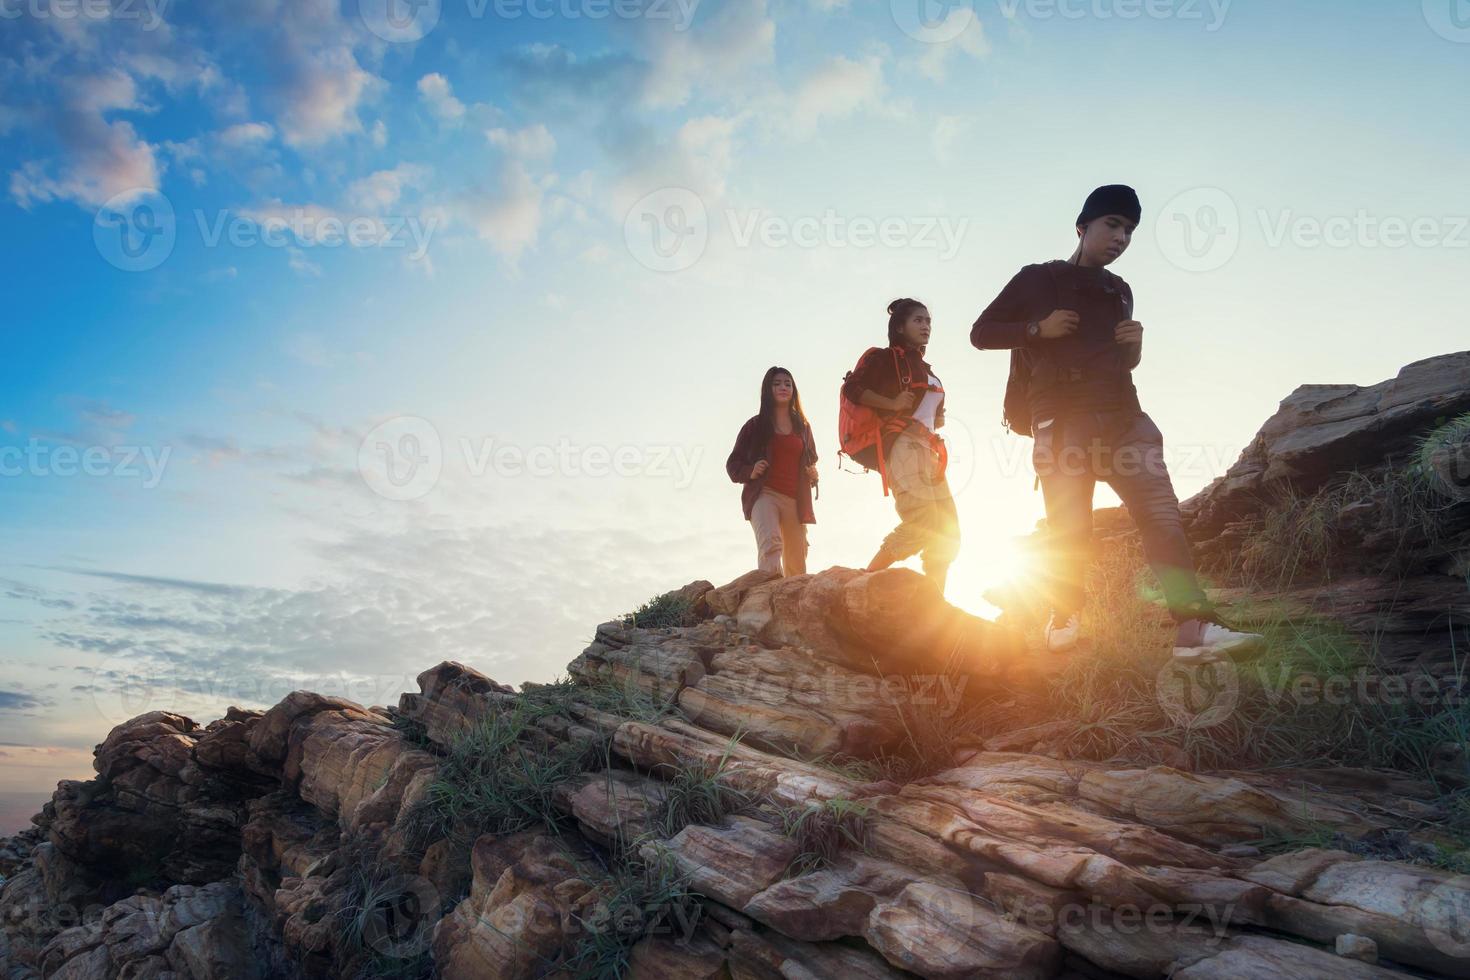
[1016,411]
[1017,408]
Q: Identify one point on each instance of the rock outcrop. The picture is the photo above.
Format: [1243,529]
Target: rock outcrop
[778,788]
[308,817]
[1385,519]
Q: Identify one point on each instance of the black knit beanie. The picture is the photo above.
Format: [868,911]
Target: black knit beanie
[1112,199]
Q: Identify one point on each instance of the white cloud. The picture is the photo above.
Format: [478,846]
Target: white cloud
[382,612]
[380,134]
[103,158]
[531,143]
[962,33]
[304,221]
[837,89]
[698,158]
[508,218]
[437,94]
[320,90]
[724,50]
[246,134]
[381,190]
[707,144]
[301,265]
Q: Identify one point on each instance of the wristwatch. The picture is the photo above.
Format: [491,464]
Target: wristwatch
[1033,330]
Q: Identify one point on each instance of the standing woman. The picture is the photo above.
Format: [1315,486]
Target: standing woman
[901,386]
[775,457]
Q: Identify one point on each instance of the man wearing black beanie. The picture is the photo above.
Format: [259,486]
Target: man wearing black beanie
[1074,344]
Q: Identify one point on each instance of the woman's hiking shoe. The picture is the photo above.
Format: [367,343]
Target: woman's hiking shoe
[1062,638]
[1200,641]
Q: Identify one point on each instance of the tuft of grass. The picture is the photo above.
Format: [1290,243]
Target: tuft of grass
[700,795]
[1113,702]
[414,732]
[382,924]
[669,609]
[1383,845]
[500,776]
[638,898]
[557,702]
[1295,537]
[822,831]
[928,745]
[1298,535]
[1445,438]
[860,770]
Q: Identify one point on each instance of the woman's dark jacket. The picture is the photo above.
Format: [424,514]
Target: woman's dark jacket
[747,453]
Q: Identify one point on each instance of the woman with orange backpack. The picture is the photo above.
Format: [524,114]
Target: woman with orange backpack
[893,408]
[775,457]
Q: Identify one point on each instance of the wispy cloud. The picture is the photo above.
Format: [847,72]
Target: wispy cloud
[21,701]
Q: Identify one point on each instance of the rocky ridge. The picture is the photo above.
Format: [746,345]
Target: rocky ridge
[303,841]
[1001,864]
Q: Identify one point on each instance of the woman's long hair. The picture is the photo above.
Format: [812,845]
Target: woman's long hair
[768,406]
[898,315]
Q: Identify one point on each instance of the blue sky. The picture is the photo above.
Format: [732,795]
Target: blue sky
[1301,167]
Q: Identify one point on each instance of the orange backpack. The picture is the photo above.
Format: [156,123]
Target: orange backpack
[860,429]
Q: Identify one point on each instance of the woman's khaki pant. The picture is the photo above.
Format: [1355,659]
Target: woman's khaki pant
[780,537]
[928,522]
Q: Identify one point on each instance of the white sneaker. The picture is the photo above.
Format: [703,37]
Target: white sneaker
[1061,639]
[1202,642]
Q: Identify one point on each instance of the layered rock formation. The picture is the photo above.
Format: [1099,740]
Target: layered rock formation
[307,820]
[778,789]
[1390,524]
